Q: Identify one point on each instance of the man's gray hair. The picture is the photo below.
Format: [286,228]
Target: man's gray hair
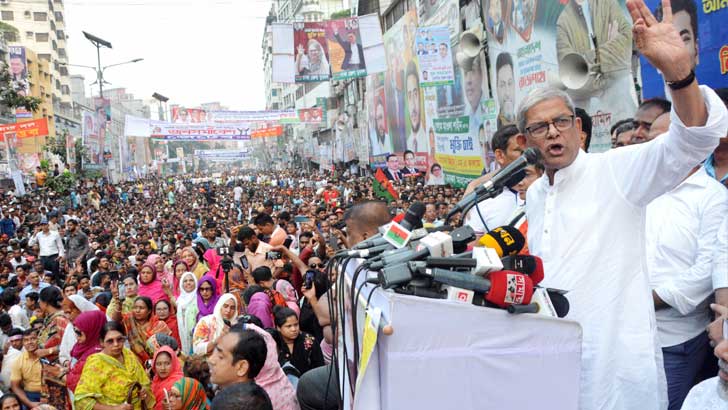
[536,96]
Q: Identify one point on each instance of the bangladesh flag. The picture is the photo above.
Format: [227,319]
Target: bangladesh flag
[383,187]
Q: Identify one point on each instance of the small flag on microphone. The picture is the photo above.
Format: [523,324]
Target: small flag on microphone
[397,235]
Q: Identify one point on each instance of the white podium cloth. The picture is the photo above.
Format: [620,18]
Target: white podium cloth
[451,355]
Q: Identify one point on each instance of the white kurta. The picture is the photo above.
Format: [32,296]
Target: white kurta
[589,228]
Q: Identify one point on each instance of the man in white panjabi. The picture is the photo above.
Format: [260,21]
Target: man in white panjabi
[587,219]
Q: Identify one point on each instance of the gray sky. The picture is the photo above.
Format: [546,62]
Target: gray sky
[194,51]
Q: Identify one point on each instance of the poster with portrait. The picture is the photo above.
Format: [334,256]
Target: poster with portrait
[313,115]
[182,115]
[24,141]
[708,46]
[535,43]
[311,52]
[380,140]
[91,140]
[18,67]
[346,52]
[434,56]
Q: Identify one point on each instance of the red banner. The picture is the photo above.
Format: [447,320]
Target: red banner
[26,129]
[274,131]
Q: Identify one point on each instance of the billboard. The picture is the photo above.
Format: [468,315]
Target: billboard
[18,67]
[182,115]
[24,142]
[311,52]
[345,49]
[434,56]
[201,132]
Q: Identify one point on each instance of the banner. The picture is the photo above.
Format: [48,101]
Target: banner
[182,115]
[201,132]
[283,59]
[457,151]
[535,43]
[282,116]
[708,46]
[311,52]
[310,115]
[24,142]
[18,67]
[434,56]
[221,154]
[323,103]
[268,130]
[345,49]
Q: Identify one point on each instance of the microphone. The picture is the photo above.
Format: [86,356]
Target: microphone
[526,264]
[508,176]
[435,244]
[559,301]
[412,219]
[506,240]
[510,288]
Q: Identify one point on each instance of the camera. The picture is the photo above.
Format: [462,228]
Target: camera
[227,261]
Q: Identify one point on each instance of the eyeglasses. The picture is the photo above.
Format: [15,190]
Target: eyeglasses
[540,129]
[78,332]
[205,289]
[644,124]
[316,265]
[117,341]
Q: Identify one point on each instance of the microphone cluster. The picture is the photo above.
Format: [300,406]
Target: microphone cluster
[436,265]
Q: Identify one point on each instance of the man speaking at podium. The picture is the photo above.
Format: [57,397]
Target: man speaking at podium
[587,215]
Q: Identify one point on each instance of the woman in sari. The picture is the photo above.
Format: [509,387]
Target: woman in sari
[193,262]
[150,286]
[110,375]
[207,296]
[211,327]
[188,394]
[167,370]
[158,263]
[179,268]
[165,313]
[139,325]
[87,327]
[187,310]
[49,340]
[73,306]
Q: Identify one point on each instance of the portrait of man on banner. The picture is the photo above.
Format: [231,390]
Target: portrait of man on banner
[18,67]
[495,12]
[345,49]
[311,60]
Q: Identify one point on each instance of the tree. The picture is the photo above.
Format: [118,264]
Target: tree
[341,14]
[9,97]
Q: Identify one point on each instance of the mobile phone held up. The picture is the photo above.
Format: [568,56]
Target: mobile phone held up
[273,255]
[308,281]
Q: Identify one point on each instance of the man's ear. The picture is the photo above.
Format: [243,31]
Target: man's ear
[241,368]
[521,140]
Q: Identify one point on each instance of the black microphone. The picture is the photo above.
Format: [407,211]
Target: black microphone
[559,302]
[412,220]
[504,177]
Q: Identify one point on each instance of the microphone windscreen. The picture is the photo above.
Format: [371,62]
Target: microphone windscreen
[506,240]
[509,288]
[527,264]
[413,216]
[560,303]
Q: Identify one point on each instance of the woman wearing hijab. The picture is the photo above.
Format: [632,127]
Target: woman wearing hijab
[271,377]
[158,263]
[211,327]
[289,293]
[166,313]
[207,296]
[187,310]
[215,270]
[150,286]
[193,262]
[167,371]
[72,306]
[139,325]
[87,327]
[188,394]
[179,268]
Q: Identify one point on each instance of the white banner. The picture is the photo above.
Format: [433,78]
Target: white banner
[201,132]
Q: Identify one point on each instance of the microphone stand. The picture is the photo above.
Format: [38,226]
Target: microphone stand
[487,194]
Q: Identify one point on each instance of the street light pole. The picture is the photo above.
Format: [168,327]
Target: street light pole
[98,43]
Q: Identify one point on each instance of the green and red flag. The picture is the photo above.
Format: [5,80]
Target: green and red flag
[383,187]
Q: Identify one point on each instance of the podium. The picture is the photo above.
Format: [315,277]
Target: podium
[451,355]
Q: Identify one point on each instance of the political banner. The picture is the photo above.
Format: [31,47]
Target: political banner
[283,59]
[221,154]
[24,142]
[18,67]
[201,132]
[182,115]
[281,116]
[323,103]
[312,115]
[311,52]
[534,43]
[708,46]
[434,56]
[267,130]
[380,140]
[456,152]
[346,53]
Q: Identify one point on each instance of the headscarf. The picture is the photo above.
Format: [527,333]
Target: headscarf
[261,307]
[208,308]
[192,394]
[271,377]
[185,298]
[289,293]
[159,385]
[218,314]
[213,262]
[152,260]
[90,323]
[82,304]
[194,253]
[152,290]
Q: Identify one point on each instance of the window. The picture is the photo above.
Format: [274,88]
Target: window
[55,45]
[64,70]
[41,37]
[59,16]
[65,90]
[46,57]
[274,92]
[29,34]
[61,53]
[7,15]
[28,14]
[60,35]
[40,16]
[10,37]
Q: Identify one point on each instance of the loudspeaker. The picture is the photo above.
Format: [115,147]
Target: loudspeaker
[574,71]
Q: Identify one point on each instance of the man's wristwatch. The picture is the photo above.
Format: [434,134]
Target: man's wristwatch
[680,84]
